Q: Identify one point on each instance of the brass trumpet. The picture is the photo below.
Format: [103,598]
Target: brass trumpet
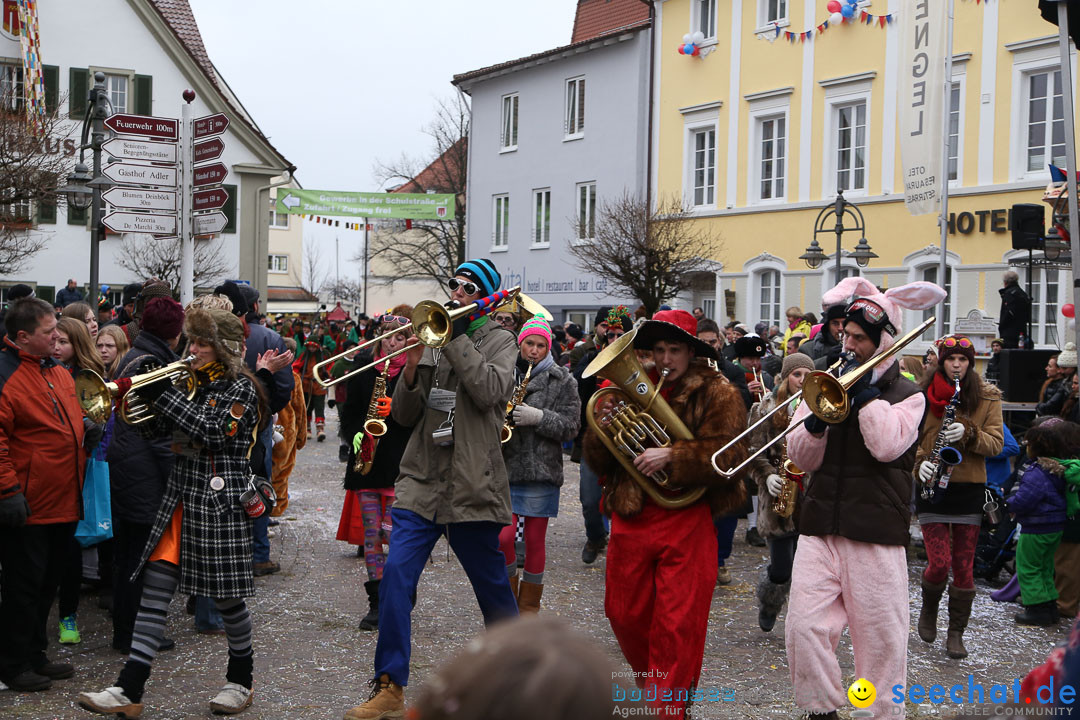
[96,396]
[433,322]
[826,396]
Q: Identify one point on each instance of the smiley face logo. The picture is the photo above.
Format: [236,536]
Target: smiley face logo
[862,693]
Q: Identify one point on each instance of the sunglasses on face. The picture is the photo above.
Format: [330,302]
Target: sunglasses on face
[613,334]
[469,288]
[951,342]
[505,319]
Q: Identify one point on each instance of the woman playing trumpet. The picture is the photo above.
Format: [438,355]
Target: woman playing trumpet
[767,472]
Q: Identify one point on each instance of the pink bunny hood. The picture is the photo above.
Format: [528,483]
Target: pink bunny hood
[918,295]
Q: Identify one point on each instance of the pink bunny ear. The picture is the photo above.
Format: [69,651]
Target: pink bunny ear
[918,295]
[847,289]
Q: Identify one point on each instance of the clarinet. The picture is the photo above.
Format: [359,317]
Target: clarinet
[945,457]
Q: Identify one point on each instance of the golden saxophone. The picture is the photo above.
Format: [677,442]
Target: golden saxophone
[784,503]
[374,425]
[518,397]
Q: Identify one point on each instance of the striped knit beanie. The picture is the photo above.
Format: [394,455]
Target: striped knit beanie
[482,272]
[535,326]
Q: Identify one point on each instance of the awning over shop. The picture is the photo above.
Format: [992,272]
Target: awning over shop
[290,300]
[285,307]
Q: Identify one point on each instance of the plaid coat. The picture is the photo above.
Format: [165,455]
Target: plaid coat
[212,434]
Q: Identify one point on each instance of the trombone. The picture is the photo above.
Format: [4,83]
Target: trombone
[96,396]
[824,394]
[432,322]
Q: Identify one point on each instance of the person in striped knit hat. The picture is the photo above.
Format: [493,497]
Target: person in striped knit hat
[548,416]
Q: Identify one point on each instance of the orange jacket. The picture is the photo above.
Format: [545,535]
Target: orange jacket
[41,436]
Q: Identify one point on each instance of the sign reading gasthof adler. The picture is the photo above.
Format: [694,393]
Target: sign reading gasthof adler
[922,102]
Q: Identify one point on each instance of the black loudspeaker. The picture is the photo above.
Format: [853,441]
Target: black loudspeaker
[1022,373]
[1028,226]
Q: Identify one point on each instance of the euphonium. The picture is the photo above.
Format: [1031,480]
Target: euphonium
[518,397]
[374,425]
[97,396]
[640,419]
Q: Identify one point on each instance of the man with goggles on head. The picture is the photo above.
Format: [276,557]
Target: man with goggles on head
[452,479]
[851,567]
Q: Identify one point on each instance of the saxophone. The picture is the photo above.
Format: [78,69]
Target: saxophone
[945,457]
[373,424]
[518,397]
[784,503]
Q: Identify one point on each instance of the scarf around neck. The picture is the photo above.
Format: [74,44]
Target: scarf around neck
[396,363]
[939,394]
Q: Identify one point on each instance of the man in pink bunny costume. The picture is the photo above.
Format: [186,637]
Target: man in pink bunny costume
[851,566]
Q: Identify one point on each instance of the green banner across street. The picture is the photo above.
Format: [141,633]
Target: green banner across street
[400,206]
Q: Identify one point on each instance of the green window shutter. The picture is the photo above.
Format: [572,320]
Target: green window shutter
[78,92]
[144,95]
[46,293]
[230,209]
[51,75]
[46,211]
[77,217]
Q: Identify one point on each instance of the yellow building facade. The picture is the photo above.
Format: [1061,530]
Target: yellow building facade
[759,134]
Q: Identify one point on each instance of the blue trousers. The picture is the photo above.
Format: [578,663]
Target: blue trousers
[476,545]
[589,491]
[725,534]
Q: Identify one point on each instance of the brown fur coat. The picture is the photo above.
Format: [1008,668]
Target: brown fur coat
[712,409]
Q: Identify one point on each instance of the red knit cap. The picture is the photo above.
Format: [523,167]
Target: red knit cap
[954,345]
[163,317]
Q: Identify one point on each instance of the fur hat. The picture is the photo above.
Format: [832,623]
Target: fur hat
[673,326]
[220,329]
[232,291]
[212,302]
[1067,357]
[250,294]
[19,291]
[163,318]
[150,290]
[749,346]
[131,292]
[918,295]
[795,361]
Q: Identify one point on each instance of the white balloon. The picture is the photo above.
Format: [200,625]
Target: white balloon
[836,18]
[687,38]
[699,37]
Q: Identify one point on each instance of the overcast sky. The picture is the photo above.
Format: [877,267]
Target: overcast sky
[336,84]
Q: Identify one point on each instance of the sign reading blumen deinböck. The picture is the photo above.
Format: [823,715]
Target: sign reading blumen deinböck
[921,103]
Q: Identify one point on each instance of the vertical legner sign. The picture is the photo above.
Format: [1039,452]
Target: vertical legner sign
[921,103]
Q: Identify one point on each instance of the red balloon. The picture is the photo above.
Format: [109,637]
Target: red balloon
[1068,310]
[681,51]
[697,51]
[833,6]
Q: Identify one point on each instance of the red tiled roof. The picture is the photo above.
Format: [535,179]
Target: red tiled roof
[178,16]
[473,74]
[599,17]
[434,178]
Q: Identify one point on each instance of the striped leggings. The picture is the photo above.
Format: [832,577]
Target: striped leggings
[160,580]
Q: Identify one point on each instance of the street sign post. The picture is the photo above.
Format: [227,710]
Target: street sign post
[125,222]
[144,125]
[148,150]
[133,174]
[209,150]
[140,199]
[210,125]
[209,199]
[212,174]
[208,223]
[395,206]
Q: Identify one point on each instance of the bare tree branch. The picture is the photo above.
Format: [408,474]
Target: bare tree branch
[314,279]
[646,255]
[345,290]
[430,250]
[146,256]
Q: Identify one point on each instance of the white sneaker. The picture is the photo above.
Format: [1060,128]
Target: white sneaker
[231,700]
[110,701]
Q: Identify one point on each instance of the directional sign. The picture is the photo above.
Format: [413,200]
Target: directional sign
[403,206]
[153,127]
[209,150]
[140,223]
[210,125]
[140,199]
[210,174]
[209,199]
[148,150]
[133,174]
[209,223]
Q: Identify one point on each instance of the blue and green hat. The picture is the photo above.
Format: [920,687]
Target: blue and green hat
[482,272]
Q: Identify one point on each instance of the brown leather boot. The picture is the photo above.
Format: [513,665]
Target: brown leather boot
[529,597]
[514,585]
[960,600]
[387,700]
[931,598]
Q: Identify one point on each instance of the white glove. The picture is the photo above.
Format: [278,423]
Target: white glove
[774,484]
[524,416]
[953,433]
[926,471]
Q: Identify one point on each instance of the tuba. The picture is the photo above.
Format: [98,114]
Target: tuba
[374,425]
[641,419]
[518,397]
[96,396]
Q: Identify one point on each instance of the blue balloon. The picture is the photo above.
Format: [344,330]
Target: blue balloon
[688,48]
[852,3]
[848,11]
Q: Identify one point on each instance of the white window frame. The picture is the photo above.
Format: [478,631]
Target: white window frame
[509,136]
[695,20]
[17,90]
[756,269]
[541,236]
[591,200]
[708,306]
[574,108]
[283,268]
[702,117]
[275,217]
[692,168]
[764,22]
[500,206]
[836,97]
[959,79]
[1025,121]
[919,272]
[1029,58]
[774,106]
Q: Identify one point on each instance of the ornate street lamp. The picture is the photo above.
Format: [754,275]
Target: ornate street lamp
[813,256]
[838,209]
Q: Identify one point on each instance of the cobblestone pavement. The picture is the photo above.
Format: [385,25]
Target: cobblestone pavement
[312,662]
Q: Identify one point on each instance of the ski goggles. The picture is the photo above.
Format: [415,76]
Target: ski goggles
[470,288]
[951,342]
[870,313]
